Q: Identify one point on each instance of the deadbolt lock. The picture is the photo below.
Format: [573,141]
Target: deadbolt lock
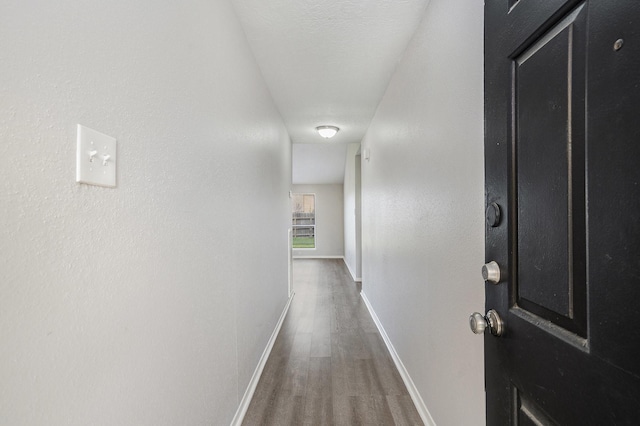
[491,272]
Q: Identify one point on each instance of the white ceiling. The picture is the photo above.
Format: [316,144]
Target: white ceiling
[327,62]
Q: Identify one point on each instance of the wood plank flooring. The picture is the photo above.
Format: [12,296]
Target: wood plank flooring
[329,364]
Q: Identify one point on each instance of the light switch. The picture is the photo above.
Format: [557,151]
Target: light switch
[96,158]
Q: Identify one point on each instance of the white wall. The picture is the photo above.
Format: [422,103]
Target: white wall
[350,234]
[423,227]
[150,303]
[329,220]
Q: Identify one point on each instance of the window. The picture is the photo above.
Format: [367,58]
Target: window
[304,221]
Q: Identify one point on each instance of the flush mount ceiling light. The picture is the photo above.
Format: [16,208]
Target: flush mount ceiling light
[327,131]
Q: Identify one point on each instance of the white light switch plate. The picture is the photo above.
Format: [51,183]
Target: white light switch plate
[96,158]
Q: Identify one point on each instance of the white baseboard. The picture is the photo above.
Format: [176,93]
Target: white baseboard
[411,387]
[318,257]
[251,388]
[353,276]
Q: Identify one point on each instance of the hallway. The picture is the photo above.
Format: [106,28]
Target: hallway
[329,364]
[152,302]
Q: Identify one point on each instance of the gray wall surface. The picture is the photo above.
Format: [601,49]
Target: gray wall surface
[150,303]
[329,220]
[423,228]
[350,234]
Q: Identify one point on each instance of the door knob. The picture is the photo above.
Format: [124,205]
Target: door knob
[492,320]
[491,272]
[477,322]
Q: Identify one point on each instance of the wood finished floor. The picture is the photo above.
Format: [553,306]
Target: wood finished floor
[329,364]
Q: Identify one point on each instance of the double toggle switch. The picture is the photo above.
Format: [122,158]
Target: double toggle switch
[105,157]
[96,158]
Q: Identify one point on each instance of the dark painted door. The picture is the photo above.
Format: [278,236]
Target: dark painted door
[562,159]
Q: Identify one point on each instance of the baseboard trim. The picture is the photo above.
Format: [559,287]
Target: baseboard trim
[253,383]
[318,257]
[406,378]
[353,276]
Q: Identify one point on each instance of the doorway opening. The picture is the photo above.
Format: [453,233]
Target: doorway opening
[303,219]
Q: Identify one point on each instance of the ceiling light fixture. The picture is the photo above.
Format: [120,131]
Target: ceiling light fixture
[327,131]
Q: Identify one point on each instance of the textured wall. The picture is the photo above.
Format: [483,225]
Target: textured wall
[149,303]
[423,228]
[329,220]
[350,256]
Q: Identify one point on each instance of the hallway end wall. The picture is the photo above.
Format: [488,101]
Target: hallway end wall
[423,228]
[148,303]
[329,220]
